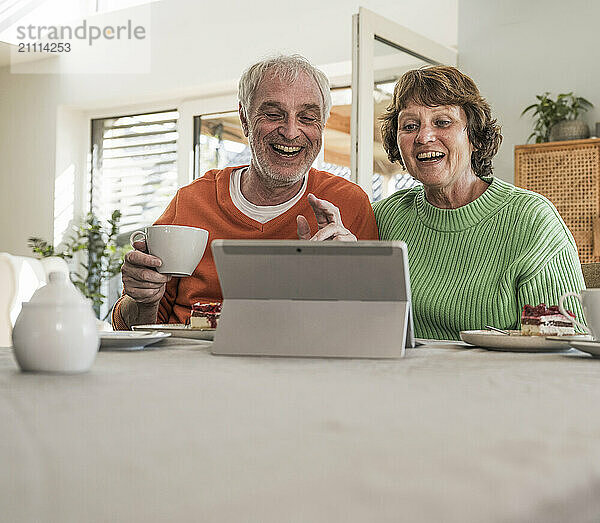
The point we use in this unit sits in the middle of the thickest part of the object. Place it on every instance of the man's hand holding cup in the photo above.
(141, 280)
(160, 252)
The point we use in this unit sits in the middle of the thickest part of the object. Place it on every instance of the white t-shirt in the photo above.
(259, 213)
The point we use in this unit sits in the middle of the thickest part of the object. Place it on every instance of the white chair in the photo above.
(20, 277)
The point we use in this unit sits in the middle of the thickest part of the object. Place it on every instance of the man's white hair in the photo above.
(286, 67)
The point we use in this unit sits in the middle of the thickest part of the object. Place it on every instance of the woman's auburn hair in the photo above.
(444, 85)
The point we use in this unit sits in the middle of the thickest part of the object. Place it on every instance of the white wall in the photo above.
(197, 48)
(72, 146)
(515, 49)
(27, 158)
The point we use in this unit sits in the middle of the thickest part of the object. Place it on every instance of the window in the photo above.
(134, 167)
(219, 142)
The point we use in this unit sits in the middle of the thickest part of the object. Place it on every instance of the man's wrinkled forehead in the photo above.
(275, 90)
(278, 106)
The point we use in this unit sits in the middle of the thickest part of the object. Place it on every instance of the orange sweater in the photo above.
(206, 203)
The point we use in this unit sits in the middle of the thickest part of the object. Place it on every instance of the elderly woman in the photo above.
(479, 248)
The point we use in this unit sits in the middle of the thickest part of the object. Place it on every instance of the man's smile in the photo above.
(286, 150)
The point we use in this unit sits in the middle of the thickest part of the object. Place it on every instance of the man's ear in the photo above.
(243, 119)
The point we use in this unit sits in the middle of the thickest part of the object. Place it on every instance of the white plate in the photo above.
(178, 330)
(516, 342)
(125, 340)
(590, 346)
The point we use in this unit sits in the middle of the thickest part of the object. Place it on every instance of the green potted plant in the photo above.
(104, 257)
(556, 120)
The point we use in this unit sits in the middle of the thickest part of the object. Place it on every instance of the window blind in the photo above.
(134, 167)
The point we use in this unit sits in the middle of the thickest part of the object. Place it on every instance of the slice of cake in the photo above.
(205, 315)
(545, 321)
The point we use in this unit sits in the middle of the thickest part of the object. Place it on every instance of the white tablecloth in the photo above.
(175, 434)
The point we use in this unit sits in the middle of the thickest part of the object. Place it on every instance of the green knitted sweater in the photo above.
(479, 264)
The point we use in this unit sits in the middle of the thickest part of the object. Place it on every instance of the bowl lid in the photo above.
(58, 291)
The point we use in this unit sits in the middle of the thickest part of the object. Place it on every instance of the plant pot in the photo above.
(569, 130)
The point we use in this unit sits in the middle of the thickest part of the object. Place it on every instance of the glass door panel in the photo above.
(389, 64)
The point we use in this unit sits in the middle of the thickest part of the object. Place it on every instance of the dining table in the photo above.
(449, 433)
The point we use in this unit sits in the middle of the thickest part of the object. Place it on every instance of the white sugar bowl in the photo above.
(56, 330)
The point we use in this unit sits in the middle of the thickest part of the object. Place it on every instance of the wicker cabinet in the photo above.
(568, 174)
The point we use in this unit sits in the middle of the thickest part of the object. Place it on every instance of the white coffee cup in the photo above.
(179, 247)
(590, 301)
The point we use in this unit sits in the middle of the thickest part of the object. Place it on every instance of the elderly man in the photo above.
(284, 103)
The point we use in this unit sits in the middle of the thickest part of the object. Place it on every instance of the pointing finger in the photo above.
(325, 211)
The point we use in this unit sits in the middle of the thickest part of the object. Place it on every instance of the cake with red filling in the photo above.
(205, 315)
(545, 321)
